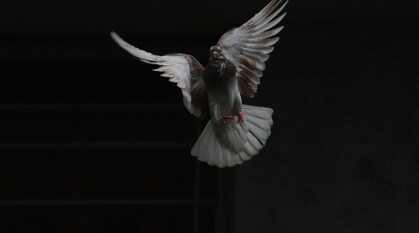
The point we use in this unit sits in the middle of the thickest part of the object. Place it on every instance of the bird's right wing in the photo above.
(182, 69)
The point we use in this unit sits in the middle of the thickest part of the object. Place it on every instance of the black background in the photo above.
(343, 81)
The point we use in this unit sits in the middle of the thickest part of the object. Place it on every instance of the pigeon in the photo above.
(235, 132)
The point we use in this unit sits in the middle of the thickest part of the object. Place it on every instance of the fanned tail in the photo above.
(232, 143)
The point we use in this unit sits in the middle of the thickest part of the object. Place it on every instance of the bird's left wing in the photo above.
(182, 69)
(249, 45)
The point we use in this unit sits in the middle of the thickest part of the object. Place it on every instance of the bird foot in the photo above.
(240, 117)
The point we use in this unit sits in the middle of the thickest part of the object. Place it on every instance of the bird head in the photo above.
(217, 59)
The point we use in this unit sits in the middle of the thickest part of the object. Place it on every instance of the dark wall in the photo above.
(205, 17)
(343, 155)
(342, 81)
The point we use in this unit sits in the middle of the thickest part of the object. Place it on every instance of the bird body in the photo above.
(224, 97)
(236, 132)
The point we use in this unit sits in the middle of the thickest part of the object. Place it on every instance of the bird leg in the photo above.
(240, 117)
(224, 119)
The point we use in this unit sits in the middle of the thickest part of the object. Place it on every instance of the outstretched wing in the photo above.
(182, 69)
(249, 45)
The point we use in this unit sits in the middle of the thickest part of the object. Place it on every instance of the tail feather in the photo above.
(231, 135)
(264, 125)
(210, 140)
(259, 133)
(232, 143)
(255, 142)
(228, 157)
(256, 111)
(248, 151)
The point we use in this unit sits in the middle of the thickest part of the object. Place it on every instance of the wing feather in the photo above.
(182, 69)
(248, 46)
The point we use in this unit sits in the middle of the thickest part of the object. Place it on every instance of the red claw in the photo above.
(240, 117)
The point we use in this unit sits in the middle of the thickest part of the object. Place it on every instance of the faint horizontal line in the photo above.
(103, 202)
(97, 145)
(92, 106)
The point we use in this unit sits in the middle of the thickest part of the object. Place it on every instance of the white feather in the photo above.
(176, 67)
(250, 44)
(233, 143)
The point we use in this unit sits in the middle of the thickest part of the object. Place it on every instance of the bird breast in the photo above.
(220, 71)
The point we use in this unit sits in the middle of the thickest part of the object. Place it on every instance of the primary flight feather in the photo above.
(236, 132)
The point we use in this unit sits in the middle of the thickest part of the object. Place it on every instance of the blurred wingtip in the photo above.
(114, 35)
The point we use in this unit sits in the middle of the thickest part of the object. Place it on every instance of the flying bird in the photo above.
(236, 132)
